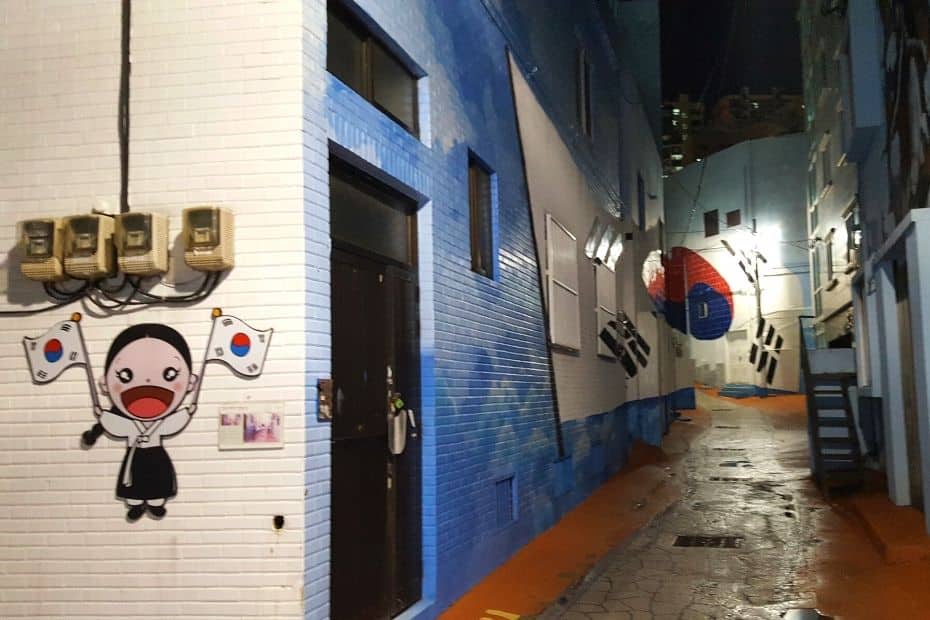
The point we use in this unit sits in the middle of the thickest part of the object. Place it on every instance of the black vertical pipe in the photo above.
(123, 118)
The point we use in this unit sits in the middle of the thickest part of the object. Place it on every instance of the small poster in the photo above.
(251, 427)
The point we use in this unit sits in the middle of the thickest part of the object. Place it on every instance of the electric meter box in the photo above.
(208, 238)
(89, 246)
(42, 241)
(141, 241)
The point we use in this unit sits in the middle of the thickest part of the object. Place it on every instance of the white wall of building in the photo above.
(216, 119)
(588, 383)
(763, 180)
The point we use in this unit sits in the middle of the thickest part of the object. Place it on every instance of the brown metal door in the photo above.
(404, 496)
(375, 548)
(359, 545)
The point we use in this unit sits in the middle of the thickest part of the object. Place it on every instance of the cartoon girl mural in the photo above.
(147, 375)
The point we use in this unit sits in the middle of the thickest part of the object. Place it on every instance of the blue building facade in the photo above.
(488, 415)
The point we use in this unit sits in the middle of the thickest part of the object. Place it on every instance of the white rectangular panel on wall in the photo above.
(606, 283)
(562, 283)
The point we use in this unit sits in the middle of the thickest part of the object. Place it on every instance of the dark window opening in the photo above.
(711, 223)
(583, 94)
(367, 214)
(479, 206)
(370, 69)
(641, 201)
(733, 218)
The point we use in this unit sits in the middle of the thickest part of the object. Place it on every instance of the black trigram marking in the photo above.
(621, 349)
(72, 356)
(261, 338)
(218, 351)
(763, 355)
(611, 342)
(66, 327)
(227, 322)
(252, 367)
(632, 331)
(32, 345)
(770, 375)
(41, 374)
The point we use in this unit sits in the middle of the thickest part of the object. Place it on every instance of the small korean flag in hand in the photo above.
(58, 349)
(237, 345)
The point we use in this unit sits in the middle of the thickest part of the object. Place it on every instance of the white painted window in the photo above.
(605, 282)
(826, 169)
(562, 285)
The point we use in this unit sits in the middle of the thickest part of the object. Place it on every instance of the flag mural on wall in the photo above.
(148, 375)
(692, 295)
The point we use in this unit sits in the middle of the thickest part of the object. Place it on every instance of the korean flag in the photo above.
(237, 345)
(55, 351)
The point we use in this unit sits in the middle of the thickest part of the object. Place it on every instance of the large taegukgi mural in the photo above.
(907, 102)
(148, 373)
(692, 295)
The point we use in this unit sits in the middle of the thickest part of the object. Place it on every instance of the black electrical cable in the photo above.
(123, 121)
(112, 289)
(209, 284)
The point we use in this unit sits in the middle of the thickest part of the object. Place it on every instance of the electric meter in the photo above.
(141, 241)
(208, 235)
(42, 242)
(89, 246)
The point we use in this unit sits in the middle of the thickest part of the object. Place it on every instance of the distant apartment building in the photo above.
(690, 133)
(680, 118)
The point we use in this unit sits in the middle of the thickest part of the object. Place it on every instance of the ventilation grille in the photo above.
(506, 506)
(716, 542)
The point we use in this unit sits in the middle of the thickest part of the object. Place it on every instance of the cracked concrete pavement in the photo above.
(738, 483)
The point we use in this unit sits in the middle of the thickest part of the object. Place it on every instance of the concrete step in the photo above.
(899, 532)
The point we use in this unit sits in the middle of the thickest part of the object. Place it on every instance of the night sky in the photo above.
(765, 51)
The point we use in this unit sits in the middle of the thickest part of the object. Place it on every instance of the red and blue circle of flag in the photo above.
(240, 344)
(53, 350)
(688, 283)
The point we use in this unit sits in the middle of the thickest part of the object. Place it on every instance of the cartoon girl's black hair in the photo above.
(148, 330)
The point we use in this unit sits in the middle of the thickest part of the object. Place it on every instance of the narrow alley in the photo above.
(737, 545)
(749, 536)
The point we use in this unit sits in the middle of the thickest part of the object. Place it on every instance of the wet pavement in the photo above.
(746, 479)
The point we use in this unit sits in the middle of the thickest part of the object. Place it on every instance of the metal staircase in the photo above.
(836, 457)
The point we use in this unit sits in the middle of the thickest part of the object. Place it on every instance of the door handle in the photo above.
(397, 433)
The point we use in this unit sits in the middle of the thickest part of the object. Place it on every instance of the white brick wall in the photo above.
(216, 118)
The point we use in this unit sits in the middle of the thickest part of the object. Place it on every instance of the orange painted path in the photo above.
(538, 573)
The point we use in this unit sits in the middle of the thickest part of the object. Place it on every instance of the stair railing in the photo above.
(813, 435)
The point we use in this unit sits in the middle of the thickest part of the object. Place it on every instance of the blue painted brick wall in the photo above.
(487, 408)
